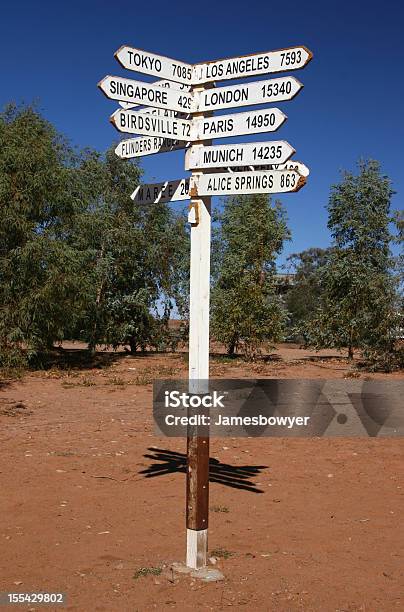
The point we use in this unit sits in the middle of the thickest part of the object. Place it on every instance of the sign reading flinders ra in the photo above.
(177, 112)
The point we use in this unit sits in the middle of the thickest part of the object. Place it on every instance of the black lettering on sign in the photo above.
(144, 61)
(231, 96)
(217, 126)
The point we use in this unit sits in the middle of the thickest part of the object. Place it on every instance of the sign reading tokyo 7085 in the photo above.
(155, 65)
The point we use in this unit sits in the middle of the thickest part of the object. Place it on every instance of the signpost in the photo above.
(148, 145)
(274, 90)
(239, 124)
(249, 168)
(161, 83)
(262, 181)
(252, 65)
(155, 65)
(249, 154)
(138, 92)
(169, 191)
(197, 487)
(150, 125)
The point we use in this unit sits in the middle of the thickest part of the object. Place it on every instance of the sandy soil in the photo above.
(89, 496)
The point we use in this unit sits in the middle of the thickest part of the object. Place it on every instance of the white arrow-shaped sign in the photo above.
(161, 112)
(290, 165)
(163, 83)
(155, 65)
(274, 90)
(134, 122)
(147, 145)
(137, 92)
(248, 154)
(253, 122)
(275, 181)
(252, 65)
(169, 191)
(293, 165)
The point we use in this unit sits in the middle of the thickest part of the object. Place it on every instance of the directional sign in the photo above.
(147, 145)
(252, 65)
(155, 65)
(138, 92)
(162, 112)
(260, 92)
(293, 165)
(169, 191)
(249, 154)
(253, 122)
(275, 181)
(134, 122)
(163, 83)
(290, 165)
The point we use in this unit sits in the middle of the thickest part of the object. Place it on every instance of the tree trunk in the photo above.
(91, 348)
(133, 345)
(231, 348)
(350, 345)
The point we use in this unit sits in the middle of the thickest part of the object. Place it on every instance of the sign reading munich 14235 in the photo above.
(249, 154)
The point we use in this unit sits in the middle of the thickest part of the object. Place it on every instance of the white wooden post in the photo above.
(197, 446)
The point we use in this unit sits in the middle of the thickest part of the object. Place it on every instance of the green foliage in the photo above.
(358, 299)
(134, 258)
(77, 257)
(303, 296)
(246, 311)
(38, 284)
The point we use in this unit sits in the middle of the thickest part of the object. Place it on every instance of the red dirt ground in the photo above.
(78, 516)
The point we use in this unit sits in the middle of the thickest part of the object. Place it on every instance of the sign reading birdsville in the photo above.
(167, 123)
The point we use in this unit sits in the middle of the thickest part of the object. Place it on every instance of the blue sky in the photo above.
(351, 105)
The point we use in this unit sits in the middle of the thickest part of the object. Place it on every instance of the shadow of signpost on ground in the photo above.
(237, 477)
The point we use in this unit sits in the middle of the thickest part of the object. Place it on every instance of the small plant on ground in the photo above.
(221, 553)
(147, 571)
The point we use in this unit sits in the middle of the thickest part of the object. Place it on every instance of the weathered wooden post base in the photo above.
(197, 546)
